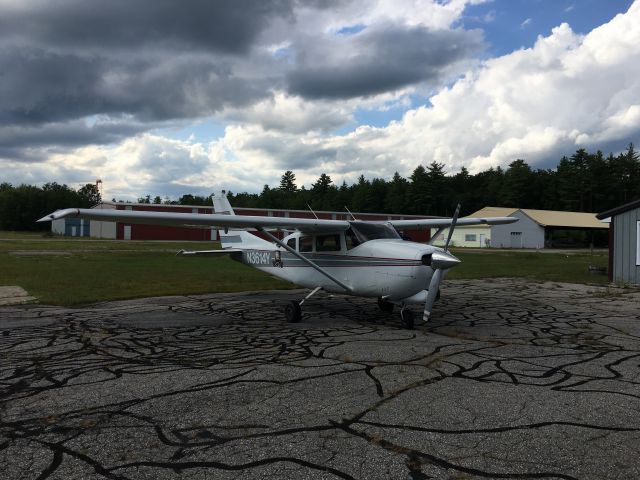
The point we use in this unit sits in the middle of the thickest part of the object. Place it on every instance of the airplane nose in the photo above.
(443, 260)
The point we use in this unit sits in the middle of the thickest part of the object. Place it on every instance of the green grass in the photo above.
(72, 271)
(21, 241)
(92, 277)
(538, 266)
(24, 235)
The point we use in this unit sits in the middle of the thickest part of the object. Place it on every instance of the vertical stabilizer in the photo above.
(221, 204)
(235, 238)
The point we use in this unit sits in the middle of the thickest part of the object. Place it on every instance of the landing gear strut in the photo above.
(385, 305)
(293, 309)
(406, 318)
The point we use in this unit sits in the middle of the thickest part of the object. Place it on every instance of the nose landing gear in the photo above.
(407, 318)
(385, 305)
(406, 315)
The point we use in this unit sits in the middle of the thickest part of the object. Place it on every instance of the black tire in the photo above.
(293, 312)
(384, 305)
(407, 319)
(438, 295)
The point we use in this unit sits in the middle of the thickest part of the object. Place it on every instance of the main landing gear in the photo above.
(293, 312)
(293, 309)
(406, 315)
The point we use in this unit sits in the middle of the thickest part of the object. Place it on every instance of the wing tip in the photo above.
(47, 218)
(59, 214)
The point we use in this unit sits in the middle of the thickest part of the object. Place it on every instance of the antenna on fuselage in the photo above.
(345, 207)
(314, 213)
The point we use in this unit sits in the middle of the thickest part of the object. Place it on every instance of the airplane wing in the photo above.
(445, 222)
(200, 220)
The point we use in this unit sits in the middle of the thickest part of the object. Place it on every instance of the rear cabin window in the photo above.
(306, 244)
(328, 243)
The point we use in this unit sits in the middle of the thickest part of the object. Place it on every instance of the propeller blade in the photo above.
(434, 286)
(452, 227)
(440, 261)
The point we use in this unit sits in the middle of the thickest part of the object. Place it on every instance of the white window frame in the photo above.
(638, 243)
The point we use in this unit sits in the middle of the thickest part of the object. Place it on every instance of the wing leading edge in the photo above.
(446, 222)
(200, 220)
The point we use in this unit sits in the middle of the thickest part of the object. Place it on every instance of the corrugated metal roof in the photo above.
(552, 218)
(493, 212)
(546, 218)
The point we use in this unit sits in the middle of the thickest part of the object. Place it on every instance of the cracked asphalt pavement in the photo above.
(509, 380)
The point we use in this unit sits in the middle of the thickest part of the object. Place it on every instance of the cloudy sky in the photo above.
(164, 98)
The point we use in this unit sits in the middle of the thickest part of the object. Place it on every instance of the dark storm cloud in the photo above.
(154, 59)
(227, 26)
(379, 60)
(41, 86)
(55, 135)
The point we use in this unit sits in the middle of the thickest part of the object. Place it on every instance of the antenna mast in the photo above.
(314, 213)
(345, 207)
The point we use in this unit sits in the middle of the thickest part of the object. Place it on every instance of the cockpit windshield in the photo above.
(373, 231)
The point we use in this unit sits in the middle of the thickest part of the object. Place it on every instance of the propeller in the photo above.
(440, 261)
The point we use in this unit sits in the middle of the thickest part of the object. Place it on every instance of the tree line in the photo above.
(22, 205)
(583, 182)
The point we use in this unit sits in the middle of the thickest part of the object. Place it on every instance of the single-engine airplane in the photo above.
(367, 259)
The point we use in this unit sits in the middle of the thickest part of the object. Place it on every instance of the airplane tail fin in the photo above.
(235, 238)
(221, 205)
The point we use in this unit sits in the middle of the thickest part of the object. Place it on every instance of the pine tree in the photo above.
(288, 182)
(397, 191)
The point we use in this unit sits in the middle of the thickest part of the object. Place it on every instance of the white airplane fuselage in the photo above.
(391, 268)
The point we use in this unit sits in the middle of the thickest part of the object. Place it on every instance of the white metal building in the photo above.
(534, 228)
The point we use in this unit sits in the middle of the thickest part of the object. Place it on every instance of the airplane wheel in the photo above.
(406, 318)
(293, 312)
(384, 305)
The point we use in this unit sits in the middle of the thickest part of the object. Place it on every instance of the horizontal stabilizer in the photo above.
(210, 253)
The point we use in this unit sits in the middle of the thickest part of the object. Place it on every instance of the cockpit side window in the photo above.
(351, 239)
(328, 243)
(305, 244)
(291, 243)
